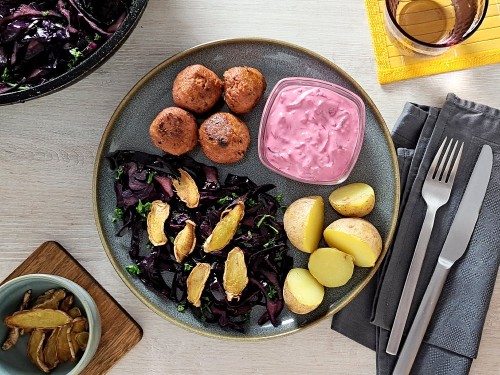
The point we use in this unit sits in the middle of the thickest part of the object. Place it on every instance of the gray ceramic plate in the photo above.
(128, 129)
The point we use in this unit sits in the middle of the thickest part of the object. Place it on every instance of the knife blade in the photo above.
(454, 247)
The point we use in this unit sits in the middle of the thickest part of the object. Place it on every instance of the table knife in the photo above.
(454, 247)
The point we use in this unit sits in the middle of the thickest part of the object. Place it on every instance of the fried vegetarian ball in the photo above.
(243, 88)
(197, 89)
(224, 138)
(174, 131)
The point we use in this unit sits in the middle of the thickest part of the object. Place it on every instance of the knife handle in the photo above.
(422, 319)
(406, 298)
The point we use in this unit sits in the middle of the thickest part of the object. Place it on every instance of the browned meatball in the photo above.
(174, 131)
(224, 138)
(197, 89)
(243, 88)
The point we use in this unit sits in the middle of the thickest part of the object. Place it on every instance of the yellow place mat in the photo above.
(482, 48)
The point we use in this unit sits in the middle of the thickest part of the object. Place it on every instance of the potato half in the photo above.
(303, 221)
(302, 292)
(331, 267)
(354, 200)
(356, 237)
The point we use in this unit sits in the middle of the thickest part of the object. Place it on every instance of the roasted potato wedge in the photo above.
(186, 189)
(14, 333)
(66, 303)
(37, 319)
(235, 277)
(225, 229)
(35, 349)
(79, 324)
(196, 282)
(50, 350)
(43, 297)
(64, 351)
(52, 301)
(82, 340)
(74, 312)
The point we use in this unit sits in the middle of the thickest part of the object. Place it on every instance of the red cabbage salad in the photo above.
(40, 40)
(142, 178)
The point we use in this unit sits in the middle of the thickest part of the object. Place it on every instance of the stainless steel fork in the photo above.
(436, 192)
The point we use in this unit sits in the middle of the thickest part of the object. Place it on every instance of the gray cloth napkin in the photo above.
(452, 339)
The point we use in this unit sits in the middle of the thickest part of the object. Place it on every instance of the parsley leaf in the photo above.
(224, 200)
(77, 54)
(119, 215)
(181, 307)
(187, 267)
(250, 202)
(150, 177)
(273, 228)
(119, 172)
(271, 293)
(143, 208)
(133, 269)
(264, 217)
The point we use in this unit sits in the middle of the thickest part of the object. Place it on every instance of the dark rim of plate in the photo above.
(87, 66)
(100, 159)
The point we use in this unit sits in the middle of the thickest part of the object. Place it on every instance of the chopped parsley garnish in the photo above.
(279, 199)
(224, 200)
(269, 243)
(119, 172)
(77, 54)
(264, 217)
(119, 215)
(250, 202)
(96, 37)
(171, 239)
(271, 293)
(133, 269)
(273, 228)
(45, 13)
(150, 177)
(143, 208)
(187, 267)
(181, 307)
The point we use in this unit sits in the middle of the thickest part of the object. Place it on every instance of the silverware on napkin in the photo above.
(454, 247)
(436, 192)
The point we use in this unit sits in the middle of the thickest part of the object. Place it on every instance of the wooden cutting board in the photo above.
(120, 332)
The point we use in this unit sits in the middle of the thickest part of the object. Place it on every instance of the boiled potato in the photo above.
(303, 222)
(356, 237)
(331, 267)
(353, 200)
(302, 292)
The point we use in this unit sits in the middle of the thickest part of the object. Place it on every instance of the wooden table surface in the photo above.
(47, 150)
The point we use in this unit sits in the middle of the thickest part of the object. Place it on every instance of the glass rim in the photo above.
(436, 45)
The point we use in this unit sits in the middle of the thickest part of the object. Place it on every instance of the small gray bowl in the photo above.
(15, 361)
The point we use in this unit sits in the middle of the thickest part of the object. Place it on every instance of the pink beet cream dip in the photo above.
(311, 131)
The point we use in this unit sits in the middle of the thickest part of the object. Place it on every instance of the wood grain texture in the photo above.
(47, 150)
(119, 331)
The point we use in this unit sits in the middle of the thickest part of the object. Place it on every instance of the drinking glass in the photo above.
(431, 27)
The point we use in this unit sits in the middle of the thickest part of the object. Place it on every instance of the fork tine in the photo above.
(432, 168)
(438, 175)
(448, 164)
(455, 166)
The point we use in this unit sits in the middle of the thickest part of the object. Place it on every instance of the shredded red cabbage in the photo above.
(143, 178)
(40, 40)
